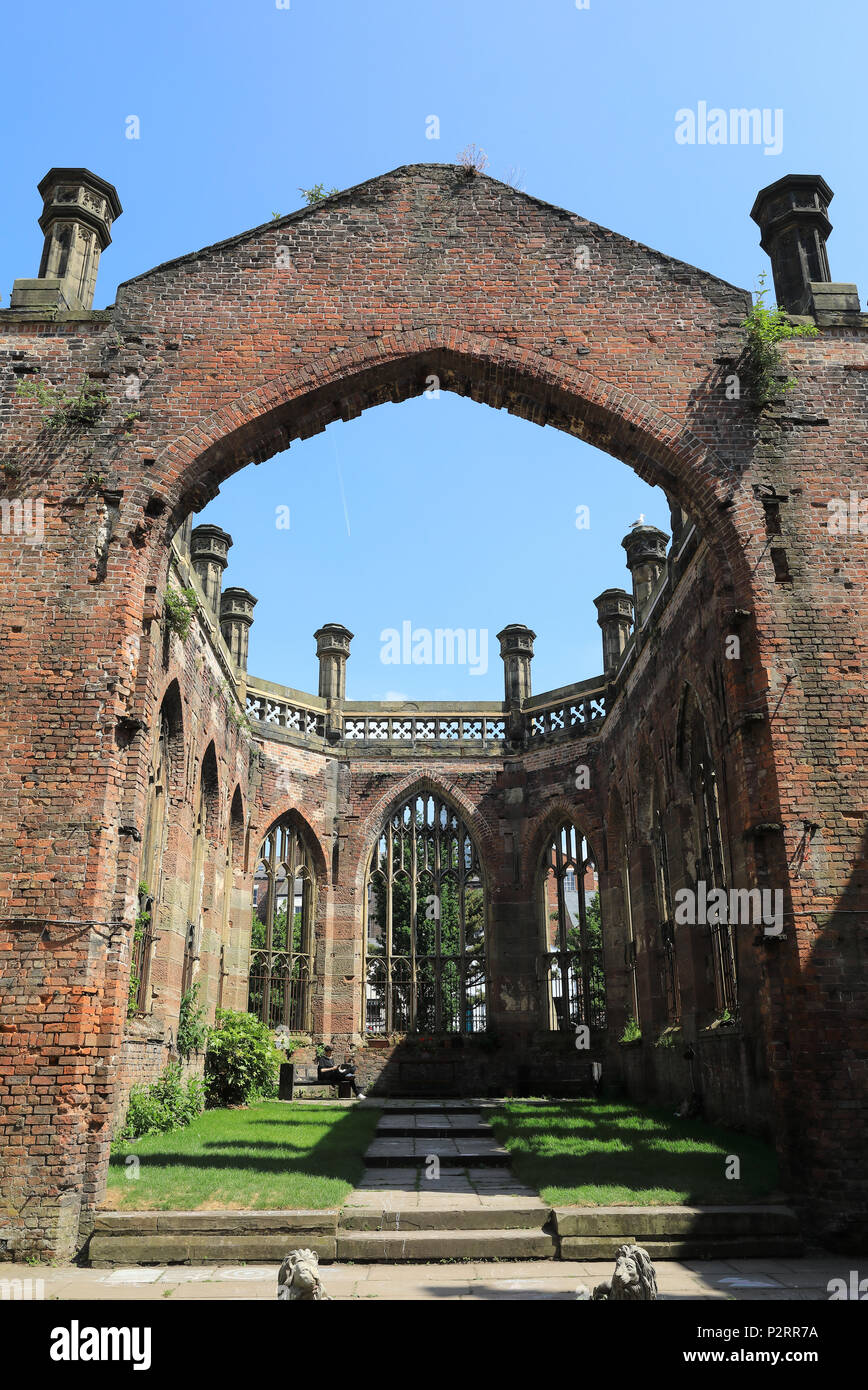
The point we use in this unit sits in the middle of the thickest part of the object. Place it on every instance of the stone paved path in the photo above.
(744, 1280)
(437, 1169)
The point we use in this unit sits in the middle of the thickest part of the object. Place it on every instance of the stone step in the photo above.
(673, 1233)
(397, 1213)
(452, 1153)
(208, 1237)
(428, 1245)
(434, 1129)
(670, 1222)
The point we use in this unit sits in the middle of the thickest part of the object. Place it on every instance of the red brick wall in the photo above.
(248, 345)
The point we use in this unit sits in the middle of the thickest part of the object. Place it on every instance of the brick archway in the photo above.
(239, 349)
(661, 448)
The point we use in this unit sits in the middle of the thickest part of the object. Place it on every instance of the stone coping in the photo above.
(225, 1221)
(662, 1221)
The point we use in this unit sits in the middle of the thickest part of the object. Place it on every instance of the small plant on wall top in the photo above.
(766, 329)
(472, 160)
(179, 609)
(316, 194)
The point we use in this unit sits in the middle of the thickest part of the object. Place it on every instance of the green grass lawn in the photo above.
(591, 1153)
(271, 1155)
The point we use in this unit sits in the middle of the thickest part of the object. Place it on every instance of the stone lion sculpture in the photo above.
(298, 1278)
(634, 1279)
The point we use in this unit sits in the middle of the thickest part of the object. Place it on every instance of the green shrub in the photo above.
(168, 1103)
(317, 193)
(242, 1063)
(81, 409)
(179, 609)
(766, 328)
(192, 1029)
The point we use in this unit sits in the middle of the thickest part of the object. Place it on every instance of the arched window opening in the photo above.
(166, 751)
(711, 867)
(281, 942)
(234, 849)
(669, 962)
(630, 953)
(206, 826)
(572, 964)
(425, 906)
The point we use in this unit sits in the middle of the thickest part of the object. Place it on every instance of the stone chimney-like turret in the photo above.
(333, 650)
(77, 215)
(209, 553)
(793, 217)
(615, 616)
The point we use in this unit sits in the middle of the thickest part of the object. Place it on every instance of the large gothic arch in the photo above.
(241, 348)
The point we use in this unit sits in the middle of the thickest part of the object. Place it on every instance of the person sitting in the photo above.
(332, 1075)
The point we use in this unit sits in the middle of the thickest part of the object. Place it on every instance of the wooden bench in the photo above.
(298, 1076)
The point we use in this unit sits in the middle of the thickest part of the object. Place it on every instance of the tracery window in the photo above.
(425, 964)
(151, 870)
(572, 964)
(205, 825)
(630, 953)
(711, 867)
(669, 963)
(282, 940)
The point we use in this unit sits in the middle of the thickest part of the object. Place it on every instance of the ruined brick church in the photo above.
(473, 897)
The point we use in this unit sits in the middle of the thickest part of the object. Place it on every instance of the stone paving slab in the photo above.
(508, 1280)
(448, 1120)
(417, 1150)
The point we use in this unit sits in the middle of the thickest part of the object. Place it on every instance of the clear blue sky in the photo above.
(459, 516)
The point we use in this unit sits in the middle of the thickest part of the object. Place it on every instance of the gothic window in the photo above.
(167, 746)
(630, 954)
(281, 943)
(425, 965)
(669, 963)
(573, 970)
(710, 864)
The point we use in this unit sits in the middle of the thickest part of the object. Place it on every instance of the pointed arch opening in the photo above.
(572, 962)
(705, 853)
(166, 760)
(282, 933)
(425, 949)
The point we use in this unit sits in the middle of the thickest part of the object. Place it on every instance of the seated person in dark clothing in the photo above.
(331, 1074)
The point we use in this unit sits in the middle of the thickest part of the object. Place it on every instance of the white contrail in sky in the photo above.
(341, 483)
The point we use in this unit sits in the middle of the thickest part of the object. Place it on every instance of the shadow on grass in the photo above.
(595, 1154)
(215, 1160)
